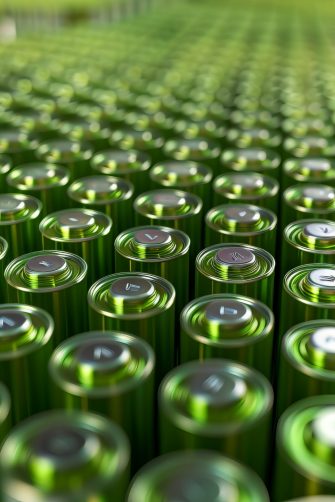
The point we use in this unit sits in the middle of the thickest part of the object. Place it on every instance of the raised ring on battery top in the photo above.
(307, 197)
(168, 204)
(100, 189)
(312, 284)
(38, 176)
(64, 151)
(323, 339)
(248, 184)
(240, 219)
(242, 214)
(152, 237)
(15, 208)
(237, 256)
(313, 235)
(228, 312)
(46, 264)
(132, 287)
(249, 159)
(64, 444)
(320, 230)
(120, 162)
(181, 173)
(322, 277)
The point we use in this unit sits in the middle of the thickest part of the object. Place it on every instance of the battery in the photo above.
(19, 219)
(184, 175)
(243, 223)
(5, 413)
(307, 200)
(69, 456)
(219, 405)
(200, 150)
(156, 250)
(246, 188)
(254, 137)
(201, 128)
(174, 208)
(109, 373)
(307, 362)
(54, 281)
(196, 475)
(235, 268)
(3, 264)
(131, 165)
(140, 304)
(47, 182)
(308, 170)
(18, 145)
(85, 233)
(5, 167)
(308, 126)
(308, 241)
(149, 141)
(26, 338)
(260, 160)
(309, 146)
(228, 326)
(107, 194)
(254, 119)
(308, 293)
(305, 449)
(72, 154)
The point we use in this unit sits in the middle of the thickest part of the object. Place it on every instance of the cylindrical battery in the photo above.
(54, 281)
(175, 208)
(308, 126)
(47, 182)
(308, 241)
(246, 188)
(220, 405)
(307, 362)
(196, 475)
(307, 200)
(309, 146)
(184, 175)
(242, 223)
(19, 219)
(5, 413)
(141, 304)
(200, 150)
(258, 118)
(26, 338)
(68, 456)
(228, 326)
(128, 164)
(72, 154)
(156, 250)
(308, 170)
(17, 145)
(103, 193)
(254, 137)
(149, 141)
(3, 264)
(110, 373)
(85, 233)
(260, 160)
(235, 268)
(201, 128)
(305, 449)
(5, 167)
(308, 293)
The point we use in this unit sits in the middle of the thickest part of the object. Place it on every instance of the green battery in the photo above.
(110, 195)
(235, 268)
(308, 241)
(18, 145)
(26, 338)
(5, 167)
(156, 250)
(3, 264)
(19, 219)
(175, 208)
(246, 188)
(309, 126)
(149, 141)
(109, 373)
(219, 405)
(137, 303)
(47, 182)
(255, 119)
(308, 293)
(85, 233)
(54, 281)
(84, 129)
(305, 449)
(309, 146)
(202, 128)
(131, 165)
(228, 326)
(200, 150)
(72, 154)
(242, 223)
(70, 456)
(308, 170)
(194, 476)
(260, 160)
(254, 137)
(5, 413)
(307, 362)
(184, 175)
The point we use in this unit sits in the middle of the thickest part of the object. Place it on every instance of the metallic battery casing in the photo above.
(308, 170)
(253, 137)
(149, 141)
(5, 167)
(5, 413)
(202, 150)
(309, 146)
(3, 264)
(260, 160)
(17, 145)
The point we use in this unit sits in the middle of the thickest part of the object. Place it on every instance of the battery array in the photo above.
(167, 255)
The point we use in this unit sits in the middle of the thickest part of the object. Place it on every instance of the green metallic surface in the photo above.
(207, 128)
(200, 150)
(303, 299)
(157, 250)
(228, 326)
(72, 154)
(254, 137)
(5, 413)
(109, 373)
(149, 141)
(308, 241)
(308, 170)
(68, 456)
(246, 188)
(107, 194)
(220, 405)
(5, 167)
(309, 146)
(305, 449)
(196, 476)
(260, 160)
(244, 270)
(45, 181)
(54, 281)
(131, 165)
(3, 264)
(299, 128)
(17, 145)
(254, 119)
(243, 223)
(141, 304)
(26, 340)
(19, 218)
(85, 233)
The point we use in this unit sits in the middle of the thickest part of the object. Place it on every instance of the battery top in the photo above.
(237, 256)
(324, 231)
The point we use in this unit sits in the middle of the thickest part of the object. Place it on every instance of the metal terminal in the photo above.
(132, 287)
(242, 214)
(12, 322)
(324, 339)
(75, 219)
(60, 442)
(324, 426)
(235, 256)
(322, 277)
(248, 181)
(152, 237)
(320, 230)
(321, 194)
(168, 199)
(218, 389)
(100, 352)
(228, 312)
(194, 486)
(316, 164)
(46, 264)
(8, 203)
